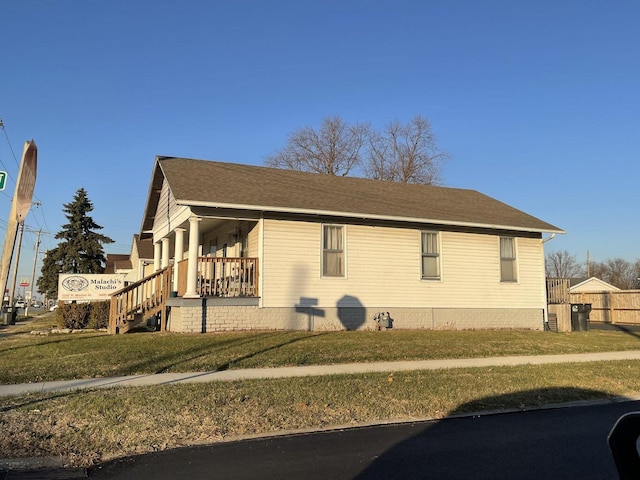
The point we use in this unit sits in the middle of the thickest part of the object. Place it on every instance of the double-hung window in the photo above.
(508, 267)
(333, 251)
(430, 250)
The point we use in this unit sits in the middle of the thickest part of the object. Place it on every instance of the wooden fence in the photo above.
(611, 307)
(622, 306)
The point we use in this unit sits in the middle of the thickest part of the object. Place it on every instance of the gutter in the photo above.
(187, 203)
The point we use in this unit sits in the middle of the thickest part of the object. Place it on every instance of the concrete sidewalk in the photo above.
(313, 370)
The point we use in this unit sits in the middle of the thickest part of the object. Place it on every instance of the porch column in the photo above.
(178, 255)
(157, 249)
(192, 270)
(164, 262)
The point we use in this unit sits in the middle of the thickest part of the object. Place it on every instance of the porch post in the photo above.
(178, 255)
(192, 265)
(157, 248)
(164, 262)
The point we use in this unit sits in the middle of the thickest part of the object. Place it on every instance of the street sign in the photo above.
(3, 180)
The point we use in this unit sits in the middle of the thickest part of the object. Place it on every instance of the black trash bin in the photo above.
(9, 315)
(580, 317)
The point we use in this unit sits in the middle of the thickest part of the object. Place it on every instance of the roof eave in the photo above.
(301, 211)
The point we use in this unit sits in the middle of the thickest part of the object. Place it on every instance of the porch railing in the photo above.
(140, 301)
(558, 290)
(222, 277)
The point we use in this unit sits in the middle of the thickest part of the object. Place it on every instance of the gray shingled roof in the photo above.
(209, 183)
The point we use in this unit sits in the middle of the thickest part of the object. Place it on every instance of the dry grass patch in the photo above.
(94, 426)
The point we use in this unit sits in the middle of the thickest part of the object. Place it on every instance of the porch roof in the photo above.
(227, 185)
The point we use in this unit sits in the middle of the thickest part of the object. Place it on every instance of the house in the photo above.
(136, 265)
(117, 263)
(141, 258)
(239, 247)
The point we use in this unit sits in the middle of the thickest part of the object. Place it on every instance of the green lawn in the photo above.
(88, 427)
(31, 358)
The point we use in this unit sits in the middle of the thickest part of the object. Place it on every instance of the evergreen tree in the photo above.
(80, 250)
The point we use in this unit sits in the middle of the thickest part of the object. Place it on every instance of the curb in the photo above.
(41, 468)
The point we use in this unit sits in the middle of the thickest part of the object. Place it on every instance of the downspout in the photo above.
(545, 240)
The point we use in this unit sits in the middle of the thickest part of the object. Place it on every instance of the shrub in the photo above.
(73, 315)
(99, 315)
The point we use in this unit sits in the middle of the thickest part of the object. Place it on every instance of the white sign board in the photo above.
(79, 286)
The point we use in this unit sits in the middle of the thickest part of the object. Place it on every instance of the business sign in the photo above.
(78, 286)
(3, 180)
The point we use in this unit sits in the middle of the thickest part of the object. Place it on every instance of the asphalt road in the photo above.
(564, 443)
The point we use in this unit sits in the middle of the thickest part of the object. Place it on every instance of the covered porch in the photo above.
(208, 260)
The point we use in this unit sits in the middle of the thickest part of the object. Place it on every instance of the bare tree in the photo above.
(621, 273)
(562, 265)
(617, 272)
(406, 153)
(335, 149)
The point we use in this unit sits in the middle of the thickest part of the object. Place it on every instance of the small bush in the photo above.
(99, 315)
(73, 315)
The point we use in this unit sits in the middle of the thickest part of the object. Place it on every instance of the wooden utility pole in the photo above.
(33, 273)
(15, 268)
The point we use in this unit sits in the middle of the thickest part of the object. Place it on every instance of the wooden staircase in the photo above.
(135, 304)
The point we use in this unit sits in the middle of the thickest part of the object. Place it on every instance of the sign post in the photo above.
(19, 209)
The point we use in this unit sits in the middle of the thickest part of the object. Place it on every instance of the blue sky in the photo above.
(538, 103)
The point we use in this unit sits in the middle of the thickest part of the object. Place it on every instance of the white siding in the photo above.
(168, 214)
(383, 270)
(254, 238)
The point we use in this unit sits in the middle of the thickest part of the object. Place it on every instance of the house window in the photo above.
(332, 251)
(430, 255)
(508, 259)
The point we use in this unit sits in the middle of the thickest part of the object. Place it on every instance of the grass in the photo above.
(31, 358)
(94, 426)
(88, 427)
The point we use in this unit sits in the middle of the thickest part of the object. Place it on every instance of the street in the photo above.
(563, 443)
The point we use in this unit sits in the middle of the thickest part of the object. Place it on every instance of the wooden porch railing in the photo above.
(222, 277)
(558, 290)
(141, 300)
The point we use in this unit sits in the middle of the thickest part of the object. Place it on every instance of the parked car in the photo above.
(53, 308)
(19, 304)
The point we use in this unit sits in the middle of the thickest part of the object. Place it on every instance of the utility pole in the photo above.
(15, 268)
(33, 273)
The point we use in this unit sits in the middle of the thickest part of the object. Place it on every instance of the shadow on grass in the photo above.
(227, 365)
(50, 340)
(30, 402)
(166, 362)
(522, 442)
(629, 329)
